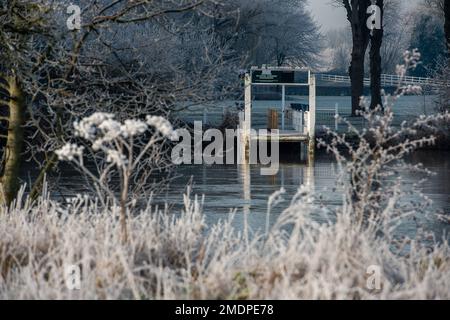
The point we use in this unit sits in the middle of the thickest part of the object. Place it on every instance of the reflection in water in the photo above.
(243, 188)
(245, 178)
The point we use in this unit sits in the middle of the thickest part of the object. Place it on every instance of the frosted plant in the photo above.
(163, 126)
(369, 166)
(442, 99)
(128, 149)
(70, 151)
(172, 256)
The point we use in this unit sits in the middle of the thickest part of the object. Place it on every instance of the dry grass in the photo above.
(172, 256)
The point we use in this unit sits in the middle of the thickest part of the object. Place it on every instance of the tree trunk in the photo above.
(357, 16)
(13, 150)
(376, 41)
(447, 22)
(356, 72)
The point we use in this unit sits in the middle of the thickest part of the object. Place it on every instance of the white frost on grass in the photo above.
(172, 257)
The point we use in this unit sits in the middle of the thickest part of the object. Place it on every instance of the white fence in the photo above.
(387, 80)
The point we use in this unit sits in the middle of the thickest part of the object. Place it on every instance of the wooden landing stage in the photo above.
(303, 120)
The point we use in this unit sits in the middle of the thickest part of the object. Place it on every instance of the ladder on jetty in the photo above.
(280, 77)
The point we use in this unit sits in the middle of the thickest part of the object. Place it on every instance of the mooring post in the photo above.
(336, 117)
(245, 133)
(283, 105)
(312, 118)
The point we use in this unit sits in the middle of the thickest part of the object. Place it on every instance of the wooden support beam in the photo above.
(272, 119)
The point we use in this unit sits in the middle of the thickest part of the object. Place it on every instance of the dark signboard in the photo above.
(273, 76)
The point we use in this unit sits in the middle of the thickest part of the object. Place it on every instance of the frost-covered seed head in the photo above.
(163, 126)
(69, 151)
(131, 128)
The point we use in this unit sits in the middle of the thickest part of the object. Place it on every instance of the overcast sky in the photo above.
(331, 17)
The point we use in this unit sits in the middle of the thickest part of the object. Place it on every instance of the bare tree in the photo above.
(20, 23)
(290, 35)
(436, 6)
(447, 23)
(117, 62)
(357, 17)
(271, 32)
(397, 29)
(397, 26)
(339, 43)
(376, 41)
(386, 45)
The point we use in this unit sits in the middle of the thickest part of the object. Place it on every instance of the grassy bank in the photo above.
(170, 256)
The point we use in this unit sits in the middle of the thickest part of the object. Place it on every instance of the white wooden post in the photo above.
(245, 134)
(312, 114)
(248, 104)
(336, 117)
(301, 127)
(305, 122)
(241, 121)
(283, 105)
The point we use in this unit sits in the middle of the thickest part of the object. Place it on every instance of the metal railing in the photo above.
(328, 117)
(387, 80)
(298, 120)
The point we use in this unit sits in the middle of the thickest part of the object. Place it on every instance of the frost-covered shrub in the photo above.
(172, 256)
(442, 74)
(440, 127)
(369, 169)
(126, 153)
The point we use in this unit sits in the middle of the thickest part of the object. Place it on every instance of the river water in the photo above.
(240, 188)
(243, 190)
